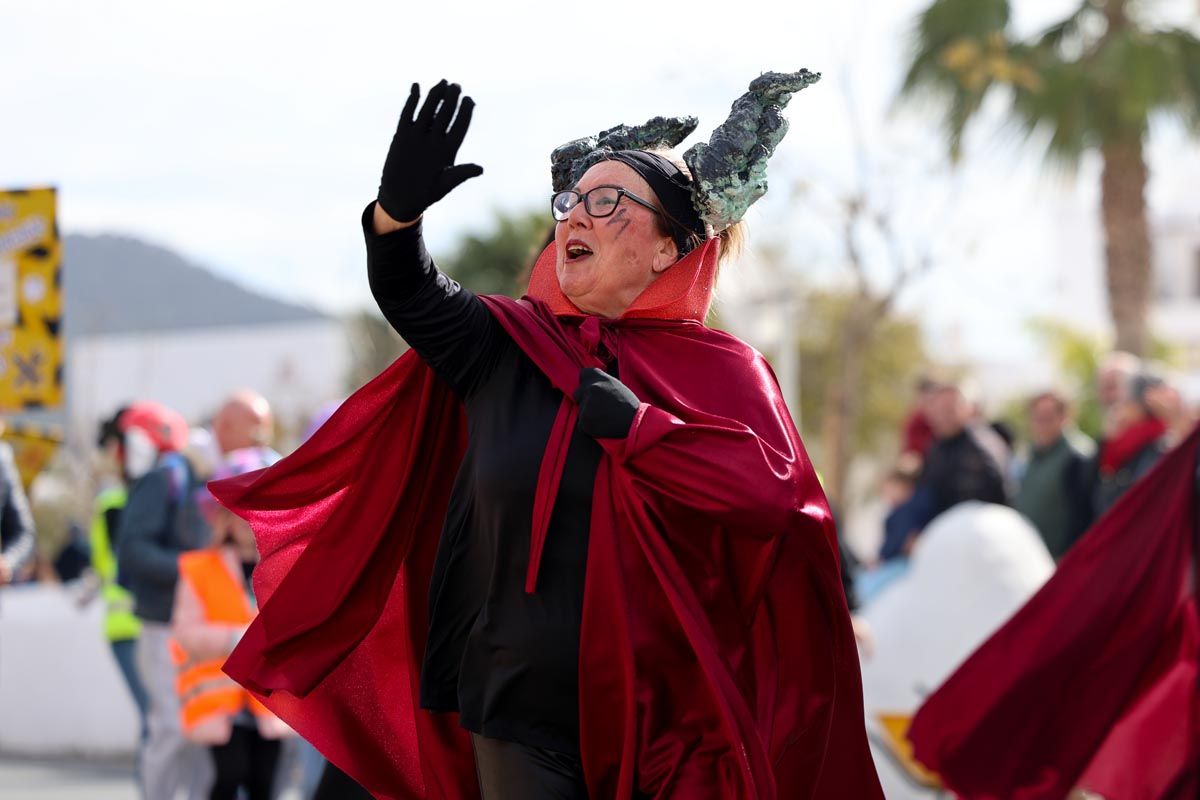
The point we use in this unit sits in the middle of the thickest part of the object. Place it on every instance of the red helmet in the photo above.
(166, 429)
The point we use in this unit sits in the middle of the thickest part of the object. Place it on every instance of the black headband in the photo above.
(674, 191)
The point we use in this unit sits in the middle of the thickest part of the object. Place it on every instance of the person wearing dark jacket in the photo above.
(16, 520)
(161, 520)
(966, 461)
(121, 626)
(1051, 486)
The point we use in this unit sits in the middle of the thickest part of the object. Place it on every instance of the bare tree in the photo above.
(881, 256)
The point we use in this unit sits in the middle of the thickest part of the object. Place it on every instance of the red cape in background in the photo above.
(716, 657)
(1093, 684)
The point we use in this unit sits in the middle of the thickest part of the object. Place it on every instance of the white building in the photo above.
(1176, 316)
(143, 323)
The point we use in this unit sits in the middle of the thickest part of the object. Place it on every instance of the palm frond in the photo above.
(1141, 75)
(1076, 83)
(1065, 106)
(951, 42)
(941, 25)
(1181, 51)
(1072, 30)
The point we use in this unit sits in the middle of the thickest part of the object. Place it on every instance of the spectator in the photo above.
(968, 459)
(161, 521)
(121, 625)
(245, 420)
(1051, 489)
(1112, 380)
(1135, 439)
(1006, 433)
(1166, 402)
(214, 603)
(897, 490)
(918, 436)
(74, 559)
(16, 520)
(900, 528)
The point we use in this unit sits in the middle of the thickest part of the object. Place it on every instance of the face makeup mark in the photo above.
(621, 219)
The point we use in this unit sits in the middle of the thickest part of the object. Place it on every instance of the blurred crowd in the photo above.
(173, 568)
(1057, 477)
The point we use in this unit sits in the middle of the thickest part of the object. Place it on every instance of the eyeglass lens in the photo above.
(598, 202)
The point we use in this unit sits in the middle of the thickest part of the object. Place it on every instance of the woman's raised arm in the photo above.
(448, 326)
(420, 168)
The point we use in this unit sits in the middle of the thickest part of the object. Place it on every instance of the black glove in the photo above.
(606, 406)
(420, 168)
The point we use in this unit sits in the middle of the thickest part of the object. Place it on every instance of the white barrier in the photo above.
(61, 692)
(973, 568)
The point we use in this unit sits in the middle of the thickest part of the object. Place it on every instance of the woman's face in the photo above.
(604, 264)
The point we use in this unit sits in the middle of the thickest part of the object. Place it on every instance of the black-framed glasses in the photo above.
(598, 202)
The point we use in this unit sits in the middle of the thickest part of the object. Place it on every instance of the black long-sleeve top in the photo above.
(506, 660)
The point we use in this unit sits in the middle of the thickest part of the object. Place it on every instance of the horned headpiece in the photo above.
(729, 172)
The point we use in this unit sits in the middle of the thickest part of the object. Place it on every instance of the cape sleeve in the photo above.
(720, 468)
(704, 493)
(736, 458)
(1093, 682)
(347, 527)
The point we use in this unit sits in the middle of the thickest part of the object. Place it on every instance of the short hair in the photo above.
(1141, 384)
(1120, 361)
(938, 379)
(110, 429)
(1053, 395)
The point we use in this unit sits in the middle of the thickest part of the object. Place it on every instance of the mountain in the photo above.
(118, 284)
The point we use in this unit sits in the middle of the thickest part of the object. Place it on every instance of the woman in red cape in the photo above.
(712, 647)
(1092, 686)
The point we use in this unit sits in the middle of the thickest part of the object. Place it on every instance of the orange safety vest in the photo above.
(204, 690)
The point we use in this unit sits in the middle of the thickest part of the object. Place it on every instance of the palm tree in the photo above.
(1092, 81)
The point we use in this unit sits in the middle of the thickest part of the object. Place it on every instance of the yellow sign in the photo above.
(33, 447)
(31, 304)
(895, 736)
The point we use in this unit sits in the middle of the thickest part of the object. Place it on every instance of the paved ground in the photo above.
(22, 779)
(60, 779)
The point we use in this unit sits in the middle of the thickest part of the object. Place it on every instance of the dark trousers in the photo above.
(125, 651)
(511, 771)
(246, 760)
(337, 785)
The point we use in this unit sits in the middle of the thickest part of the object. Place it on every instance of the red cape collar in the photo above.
(684, 291)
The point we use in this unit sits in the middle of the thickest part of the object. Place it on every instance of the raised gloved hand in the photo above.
(420, 168)
(607, 407)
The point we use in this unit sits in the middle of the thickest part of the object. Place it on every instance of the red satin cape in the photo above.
(716, 657)
(1093, 683)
